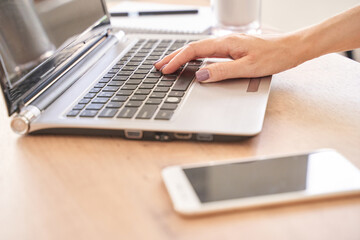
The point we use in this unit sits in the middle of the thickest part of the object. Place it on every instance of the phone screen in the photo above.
(249, 179)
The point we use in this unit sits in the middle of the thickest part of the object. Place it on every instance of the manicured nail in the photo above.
(202, 75)
(162, 67)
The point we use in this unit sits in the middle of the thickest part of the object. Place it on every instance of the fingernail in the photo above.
(156, 61)
(162, 67)
(202, 75)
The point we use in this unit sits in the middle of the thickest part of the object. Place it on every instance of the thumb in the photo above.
(220, 71)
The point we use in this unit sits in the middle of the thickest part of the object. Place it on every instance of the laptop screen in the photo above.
(37, 36)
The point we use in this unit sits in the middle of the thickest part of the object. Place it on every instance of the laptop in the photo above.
(66, 70)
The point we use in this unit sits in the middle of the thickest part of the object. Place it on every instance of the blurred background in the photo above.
(284, 15)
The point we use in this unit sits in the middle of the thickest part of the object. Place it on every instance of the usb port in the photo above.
(184, 136)
(204, 137)
(133, 134)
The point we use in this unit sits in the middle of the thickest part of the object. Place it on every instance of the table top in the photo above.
(83, 187)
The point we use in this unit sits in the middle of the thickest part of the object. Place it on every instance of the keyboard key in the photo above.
(169, 106)
(161, 89)
(114, 104)
(146, 112)
(108, 113)
(154, 75)
(147, 62)
(143, 91)
(146, 67)
(164, 115)
(173, 100)
(151, 80)
(120, 78)
(129, 68)
(134, 81)
(129, 87)
(94, 106)
(121, 62)
(133, 63)
(138, 76)
(124, 73)
(154, 101)
(113, 71)
(165, 84)
(127, 113)
(119, 98)
(109, 75)
(95, 90)
(84, 101)
(79, 106)
(106, 94)
(137, 59)
(176, 94)
(124, 93)
(153, 58)
(116, 67)
(127, 56)
(157, 54)
(141, 54)
(90, 95)
(183, 41)
(147, 86)
(157, 95)
(169, 78)
(134, 104)
(142, 71)
(104, 80)
(100, 85)
(100, 100)
(185, 78)
(138, 98)
(116, 83)
(73, 113)
(89, 113)
(110, 89)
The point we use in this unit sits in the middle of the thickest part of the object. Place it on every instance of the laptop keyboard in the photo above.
(134, 89)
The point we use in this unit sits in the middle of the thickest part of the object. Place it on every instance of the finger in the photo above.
(199, 49)
(160, 63)
(225, 70)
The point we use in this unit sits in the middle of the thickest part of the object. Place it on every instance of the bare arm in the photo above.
(255, 56)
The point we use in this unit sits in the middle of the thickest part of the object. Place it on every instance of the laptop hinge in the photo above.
(21, 122)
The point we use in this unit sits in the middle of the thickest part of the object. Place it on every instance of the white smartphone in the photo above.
(226, 185)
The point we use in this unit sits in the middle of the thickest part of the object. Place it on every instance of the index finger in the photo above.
(198, 49)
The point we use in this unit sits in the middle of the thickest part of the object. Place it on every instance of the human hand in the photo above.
(253, 56)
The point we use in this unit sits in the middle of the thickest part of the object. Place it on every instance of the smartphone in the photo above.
(227, 185)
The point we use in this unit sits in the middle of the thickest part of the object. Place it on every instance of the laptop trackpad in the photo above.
(233, 106)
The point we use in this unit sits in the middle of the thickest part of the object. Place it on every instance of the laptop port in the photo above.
(204, 137)
(133, 134)
(164, 137)
(183, 136)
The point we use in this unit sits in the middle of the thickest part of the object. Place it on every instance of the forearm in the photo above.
(336, 34)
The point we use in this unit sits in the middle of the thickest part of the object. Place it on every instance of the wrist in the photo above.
(301, 47)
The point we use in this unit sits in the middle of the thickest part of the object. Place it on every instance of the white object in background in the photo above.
(236, 16)
(175, 24)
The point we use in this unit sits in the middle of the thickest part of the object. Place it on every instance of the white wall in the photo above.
(289, 15)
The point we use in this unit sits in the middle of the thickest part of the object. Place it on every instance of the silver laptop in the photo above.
(66, 70)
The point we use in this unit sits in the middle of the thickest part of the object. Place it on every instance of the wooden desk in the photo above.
(79, 187)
